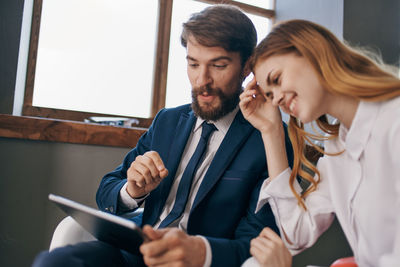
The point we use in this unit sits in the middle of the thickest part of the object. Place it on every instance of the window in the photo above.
(178, 85)
(104, 58)
(103, 64)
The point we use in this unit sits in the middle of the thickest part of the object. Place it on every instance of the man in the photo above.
(208, 218)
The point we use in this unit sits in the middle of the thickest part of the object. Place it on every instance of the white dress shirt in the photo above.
(361, 186)
(215, 140)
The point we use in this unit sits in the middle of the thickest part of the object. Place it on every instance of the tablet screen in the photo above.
(106, 227)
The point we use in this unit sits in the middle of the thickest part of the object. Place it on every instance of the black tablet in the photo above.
(106, 227)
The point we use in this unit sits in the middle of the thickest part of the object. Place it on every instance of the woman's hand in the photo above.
(261, 113)
(269, 250)
(258, 109)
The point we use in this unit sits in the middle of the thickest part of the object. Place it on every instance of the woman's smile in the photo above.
(295, 85)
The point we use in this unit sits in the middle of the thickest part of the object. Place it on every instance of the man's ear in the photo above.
(245, 72)
(246, 69)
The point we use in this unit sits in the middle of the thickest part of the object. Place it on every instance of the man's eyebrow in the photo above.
(222, 58)
(190, 58)
(213, 60)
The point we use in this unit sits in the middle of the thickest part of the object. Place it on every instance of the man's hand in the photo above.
(269, 250)
(172, 247)
(145, 174)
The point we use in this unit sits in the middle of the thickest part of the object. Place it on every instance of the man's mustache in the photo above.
(206, 89)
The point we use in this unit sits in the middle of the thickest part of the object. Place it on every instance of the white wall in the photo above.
(328, 13)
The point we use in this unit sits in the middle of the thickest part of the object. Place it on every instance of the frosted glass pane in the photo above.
(178, 85)
(96, 56)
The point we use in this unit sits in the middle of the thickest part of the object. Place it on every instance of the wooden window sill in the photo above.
(34, 128)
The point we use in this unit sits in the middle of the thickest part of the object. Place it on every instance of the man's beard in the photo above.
(227, 103)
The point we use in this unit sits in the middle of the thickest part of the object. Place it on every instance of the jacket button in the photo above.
(110, 209)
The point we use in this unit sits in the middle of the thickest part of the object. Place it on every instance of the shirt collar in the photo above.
(222, 124)
(356, 138)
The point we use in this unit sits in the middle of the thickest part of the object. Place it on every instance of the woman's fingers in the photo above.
(269, 250)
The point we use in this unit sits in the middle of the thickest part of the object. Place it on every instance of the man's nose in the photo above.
(203, 77)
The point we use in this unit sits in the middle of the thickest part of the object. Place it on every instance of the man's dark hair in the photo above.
(223, 26)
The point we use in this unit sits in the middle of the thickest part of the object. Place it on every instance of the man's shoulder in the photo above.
(176, 110)
(167, 117)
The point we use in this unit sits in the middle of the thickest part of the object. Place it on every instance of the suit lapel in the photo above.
(233, 141)
(182, 134)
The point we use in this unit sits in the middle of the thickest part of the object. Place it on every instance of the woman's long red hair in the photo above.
(340, 69)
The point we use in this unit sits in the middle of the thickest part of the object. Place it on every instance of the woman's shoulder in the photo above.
(393, 103)
(389, 114)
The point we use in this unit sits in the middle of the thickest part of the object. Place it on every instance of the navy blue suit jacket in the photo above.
(223, 209)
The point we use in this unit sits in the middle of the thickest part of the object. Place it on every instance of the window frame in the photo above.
(160, 64)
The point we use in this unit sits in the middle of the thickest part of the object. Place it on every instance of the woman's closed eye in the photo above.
(273, 79)
(276, 79)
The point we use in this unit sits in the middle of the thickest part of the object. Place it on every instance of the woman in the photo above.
(306, 71)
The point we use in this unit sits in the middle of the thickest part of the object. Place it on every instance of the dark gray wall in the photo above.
(10, 30)
(375, 24)
(29, 171)
(371, 23)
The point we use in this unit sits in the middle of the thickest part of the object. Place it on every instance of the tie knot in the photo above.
(208, 128)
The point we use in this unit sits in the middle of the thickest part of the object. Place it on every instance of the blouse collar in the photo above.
(356, 138)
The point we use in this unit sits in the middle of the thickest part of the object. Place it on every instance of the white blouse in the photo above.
(361, 186)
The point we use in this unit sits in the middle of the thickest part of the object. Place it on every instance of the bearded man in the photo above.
(198, 168)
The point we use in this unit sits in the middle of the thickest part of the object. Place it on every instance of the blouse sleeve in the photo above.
(392, 258)
(299, 228)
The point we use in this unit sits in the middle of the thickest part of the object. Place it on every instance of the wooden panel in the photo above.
(162, 54)
(160, 69)
(68, 131)
(75, 115)
(33, 48)
(30, 110)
